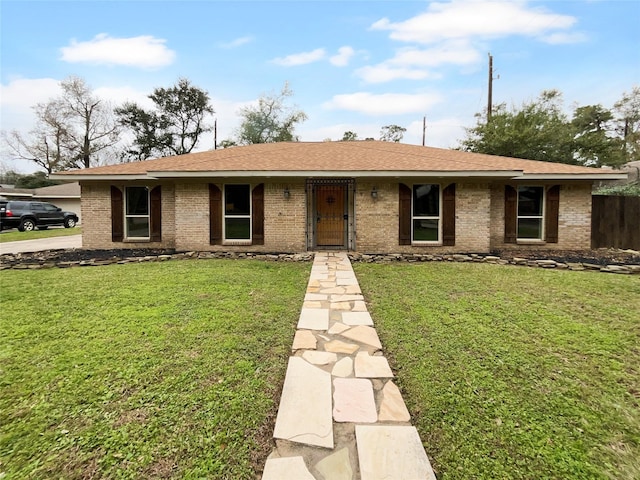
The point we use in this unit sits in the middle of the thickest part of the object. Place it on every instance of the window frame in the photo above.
(126, 216)
(427, 217)
(249, 217)
(541, 217)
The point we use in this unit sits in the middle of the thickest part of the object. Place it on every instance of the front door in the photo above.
(331, 215)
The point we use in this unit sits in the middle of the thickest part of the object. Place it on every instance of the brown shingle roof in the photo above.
(347, 157)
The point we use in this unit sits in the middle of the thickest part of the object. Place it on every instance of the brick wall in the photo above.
(479, 218)
(96, 216)
(574, 220)
(377, 219)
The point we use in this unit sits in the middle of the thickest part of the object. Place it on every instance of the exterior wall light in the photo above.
(287, 193)
(374, 193)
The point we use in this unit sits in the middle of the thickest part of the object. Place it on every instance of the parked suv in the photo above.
(26, 216)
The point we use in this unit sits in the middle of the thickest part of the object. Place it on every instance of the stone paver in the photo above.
(391, 452)
(304, 415)
(372, 367)
(288, 467)
(338, 390)
(314, 319)
(353, 401)
(304, 339)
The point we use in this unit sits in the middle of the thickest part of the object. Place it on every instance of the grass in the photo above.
(514, 373)
(14, 235)
(151, 370)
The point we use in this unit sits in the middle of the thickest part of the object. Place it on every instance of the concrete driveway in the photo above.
(52, 243)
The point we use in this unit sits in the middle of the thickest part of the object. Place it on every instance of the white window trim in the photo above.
(422, 217)
(147, 216)
(541, 217)
(235, 241)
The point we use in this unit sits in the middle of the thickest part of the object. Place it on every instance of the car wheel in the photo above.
(27, 225)
(69, 222)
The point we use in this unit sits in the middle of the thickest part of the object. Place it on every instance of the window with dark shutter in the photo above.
(404, 215)
(552, 210)
(215, 215)
(117, 215)
(510, 214)
(257, 215)
(155, 197)
(449, 215)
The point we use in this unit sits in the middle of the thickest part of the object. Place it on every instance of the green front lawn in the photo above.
(154, 370)
(514, 373)
(13, 235)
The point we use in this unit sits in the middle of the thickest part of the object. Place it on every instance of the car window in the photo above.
(49, 207)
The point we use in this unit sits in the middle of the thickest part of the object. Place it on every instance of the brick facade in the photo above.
(479, 218)
(574, 220)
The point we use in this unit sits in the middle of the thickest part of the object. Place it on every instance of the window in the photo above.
(137, 212)
(530, 213)
(425, 216)
(237, 212)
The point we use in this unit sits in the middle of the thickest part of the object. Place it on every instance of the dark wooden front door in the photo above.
(331, 215)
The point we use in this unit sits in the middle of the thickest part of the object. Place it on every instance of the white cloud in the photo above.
(238, 42)
(383, 104)
(343, 56)
(302, 58)
(468, 18)
(559, 38)
(453, 52)
(143, 51)
(382, 73)
(23, 93)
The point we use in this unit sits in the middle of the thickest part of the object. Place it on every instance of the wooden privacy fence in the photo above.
(615, 222)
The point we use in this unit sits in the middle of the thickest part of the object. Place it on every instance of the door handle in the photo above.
(318, 219)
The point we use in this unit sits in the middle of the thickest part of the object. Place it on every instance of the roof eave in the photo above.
(337, 173)
(573, 176)
(77, 177)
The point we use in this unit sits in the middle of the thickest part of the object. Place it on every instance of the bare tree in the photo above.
(91, 125)
(48, 144)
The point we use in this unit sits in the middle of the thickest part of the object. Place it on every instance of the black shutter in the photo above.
(449, 215)
(257, 215)
(117, 215)
(510, 214)
(155, 198)
(552, 210)
(404, 215)
(215, 215)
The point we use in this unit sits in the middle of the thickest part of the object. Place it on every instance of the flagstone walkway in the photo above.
(341, 417)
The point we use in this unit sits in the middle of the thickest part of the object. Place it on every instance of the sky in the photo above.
(352, 65)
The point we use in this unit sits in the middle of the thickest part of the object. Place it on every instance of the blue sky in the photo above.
(352, 65)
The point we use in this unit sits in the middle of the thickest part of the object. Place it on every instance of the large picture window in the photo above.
(530, 213)
(425, 213)
(237, 212)
(137, 219)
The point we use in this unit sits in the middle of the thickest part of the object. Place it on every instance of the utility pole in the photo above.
(215, 134)
(424, 128)
(490, 94)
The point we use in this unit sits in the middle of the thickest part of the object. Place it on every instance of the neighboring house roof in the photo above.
(65, 190)
(335, 159)
(14, 193)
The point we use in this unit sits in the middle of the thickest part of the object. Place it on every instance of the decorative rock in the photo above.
(391, 452)
(304, 414)
(336, 466)
(287, 467)
(343, 368)
(338, 346)
(392, 407)
(372, 367)
(319, 358)
(353, 401)
(304, 339)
